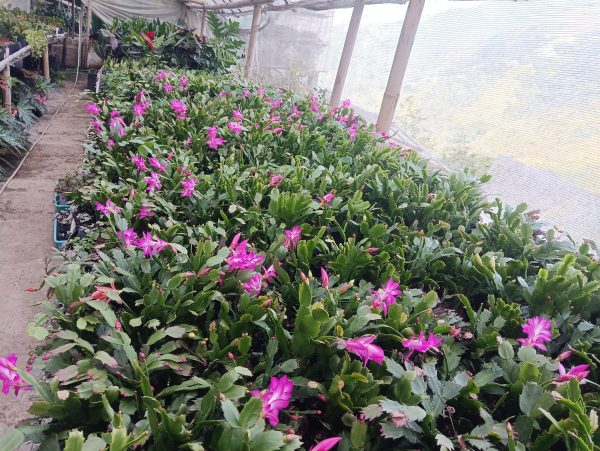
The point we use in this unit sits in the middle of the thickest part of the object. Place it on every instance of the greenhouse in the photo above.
(259, 225)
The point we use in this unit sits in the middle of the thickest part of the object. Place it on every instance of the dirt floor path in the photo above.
(26, 234)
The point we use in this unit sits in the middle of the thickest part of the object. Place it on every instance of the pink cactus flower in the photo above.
(421, 344)
(253, 285)
(364, 348)
(188, 187)
(538, 330)
(277, 131)
(168, 87)
(237, 114)
(93, 109)
(269, 273)
(117, 126)
(139, 110)
(275, 399)
(162, 74)
(578, 372)
(324, 278)
(386, 295)
(97, 124)
(327, 199)
(153, 182)
(235, 127)
(352, 131)
(155, 162)
(240, 258)
(145, 212)
(140, 162)
(110, 143)
(292, 237)
(10, 376)
(326, 444)
(246, 94)
(276, 104)
(108, 208)
(213, 141)
(183, 82)
(150, 245)
(275, 181)
(346, 103)
(180, 108)
(128, 236)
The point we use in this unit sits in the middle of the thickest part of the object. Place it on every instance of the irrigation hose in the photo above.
(53, 116)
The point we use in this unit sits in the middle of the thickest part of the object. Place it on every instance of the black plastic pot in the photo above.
(92, 79)
(14, 48)
(31, 63)
(54, 62)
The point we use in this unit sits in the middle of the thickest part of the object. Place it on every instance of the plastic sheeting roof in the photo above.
(237, 7)
(173, 10)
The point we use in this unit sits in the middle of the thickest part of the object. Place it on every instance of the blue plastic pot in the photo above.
(60, 207)
(59, 244)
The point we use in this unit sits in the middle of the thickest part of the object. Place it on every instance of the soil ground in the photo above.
(26, 214)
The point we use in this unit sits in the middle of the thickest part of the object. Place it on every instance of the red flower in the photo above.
(151, 34)
(149, 39)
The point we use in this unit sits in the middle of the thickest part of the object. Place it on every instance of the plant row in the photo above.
(268, 272)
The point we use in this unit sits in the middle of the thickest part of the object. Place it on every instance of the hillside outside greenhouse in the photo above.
(259, 225)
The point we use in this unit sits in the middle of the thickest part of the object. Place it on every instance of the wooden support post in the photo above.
(203, 22)
(340, 78)
(89, 18)
(252, 40)
(394, 84)
(5, 75)
(46, 62)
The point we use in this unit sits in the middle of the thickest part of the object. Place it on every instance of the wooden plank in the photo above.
(252, 40)
(18, 55)
(235, 5)
(342, 72)
(5, 76)
(46, 64)
(403, 49)
(203, 22)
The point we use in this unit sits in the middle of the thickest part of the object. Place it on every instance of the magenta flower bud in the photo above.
(204, 272)
(142, 356)
(230, 356)
(344, 288)
(324, 278)
(373, 250)
(564, 355)
(327, 444)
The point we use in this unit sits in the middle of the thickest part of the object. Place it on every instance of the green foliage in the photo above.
(171, 44)
(163, 351)
(37, 40)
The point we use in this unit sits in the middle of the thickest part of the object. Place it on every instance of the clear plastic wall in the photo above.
(510, 88)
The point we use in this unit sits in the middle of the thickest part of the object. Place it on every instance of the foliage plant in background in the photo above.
(171, 44)
(270, 273)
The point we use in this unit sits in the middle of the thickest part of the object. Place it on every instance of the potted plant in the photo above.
(63, 223)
